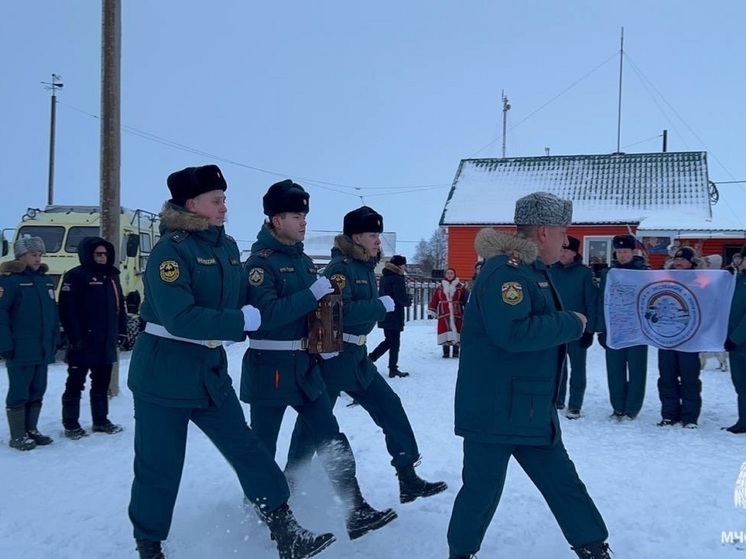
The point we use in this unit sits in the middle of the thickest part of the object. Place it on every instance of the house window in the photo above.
(597, 251)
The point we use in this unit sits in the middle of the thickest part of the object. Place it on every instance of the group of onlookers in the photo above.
(93, 316)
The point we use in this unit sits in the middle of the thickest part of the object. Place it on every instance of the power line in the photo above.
(325, 185)
(684, 121)
(560, 94)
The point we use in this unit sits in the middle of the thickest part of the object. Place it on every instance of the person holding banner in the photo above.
(513, 345)
(627, 368)
(679, 387)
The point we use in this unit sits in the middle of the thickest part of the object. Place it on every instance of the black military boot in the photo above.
(363, 518)
(99, 413)
(149, 549)
(70, 415)
(32, 419)
(293, 541)
(412, 486)
(593, 550)
(19, 439)
(395, 372)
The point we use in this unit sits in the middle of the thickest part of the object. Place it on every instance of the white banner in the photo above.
(685, 310)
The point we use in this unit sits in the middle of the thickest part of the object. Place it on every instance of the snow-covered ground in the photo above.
(664, 492)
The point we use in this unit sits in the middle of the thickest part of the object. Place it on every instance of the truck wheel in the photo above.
(133, 329)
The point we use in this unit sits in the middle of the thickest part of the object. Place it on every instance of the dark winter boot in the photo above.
(70, 415)
(149, 550)
(19, 439)
(456, 349)
(452, 556)
(446, 351)
(363, 518)
(32, 419)
(412, 486)
(293, 541)
(593, 550)
(393, 373)
(99, 413)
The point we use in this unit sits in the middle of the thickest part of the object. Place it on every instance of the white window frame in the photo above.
(586, 247)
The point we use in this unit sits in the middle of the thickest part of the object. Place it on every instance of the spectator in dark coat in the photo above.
(392, 284)
(94, 318)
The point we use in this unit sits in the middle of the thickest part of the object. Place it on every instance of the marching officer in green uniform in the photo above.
(194, 292)
(512, 348)
(736, 343)
(574, 283)
(277, 369)
(627, 368)
(354, 257)
(29, 332)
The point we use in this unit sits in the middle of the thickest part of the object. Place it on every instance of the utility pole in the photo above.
(111, 55)
(506, 108)
(54, 85)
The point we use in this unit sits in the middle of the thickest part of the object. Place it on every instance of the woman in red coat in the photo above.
(447, 305)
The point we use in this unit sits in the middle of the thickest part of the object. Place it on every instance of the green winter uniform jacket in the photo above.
(574, 283)
(29, 323)
(512, 347)
(279, 276)
(353, 273)
(194, 287)
(737, 317)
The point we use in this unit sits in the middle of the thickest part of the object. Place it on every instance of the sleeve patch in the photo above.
(340, 280)
(512, 292)
(169, 271)
(256, 276)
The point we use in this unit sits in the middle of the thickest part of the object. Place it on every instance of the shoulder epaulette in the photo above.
(514, 260)
(178, 236)
(231, 239)
(264, 253)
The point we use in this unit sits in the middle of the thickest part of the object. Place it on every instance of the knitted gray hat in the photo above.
(543, 208)
(28, 244)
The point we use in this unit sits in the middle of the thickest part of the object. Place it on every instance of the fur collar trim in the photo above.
(393, 268)
(18, 267)
(489, 243)
(345, 245)
(176, 218)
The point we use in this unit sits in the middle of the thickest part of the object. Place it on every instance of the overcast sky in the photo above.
(375, 99)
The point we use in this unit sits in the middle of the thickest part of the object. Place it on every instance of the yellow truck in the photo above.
(63, 227)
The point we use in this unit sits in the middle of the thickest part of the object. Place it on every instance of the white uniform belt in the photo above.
(161, 332)
(357, 339)
(279, 345)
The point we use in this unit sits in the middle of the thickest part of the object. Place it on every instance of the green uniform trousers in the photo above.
(627, 371)
(576, 356)
(553, 473)
(384, 407)
(26, 384)
(160, 446)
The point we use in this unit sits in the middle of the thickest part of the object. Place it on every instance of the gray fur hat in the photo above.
(543, 208)
(28, 244)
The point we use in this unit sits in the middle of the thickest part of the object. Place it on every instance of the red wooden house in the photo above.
(662, 198)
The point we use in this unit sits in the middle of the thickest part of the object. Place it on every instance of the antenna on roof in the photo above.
(619, 110)
(506, 108)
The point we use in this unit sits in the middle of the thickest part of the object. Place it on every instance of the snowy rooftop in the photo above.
(605, 189)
